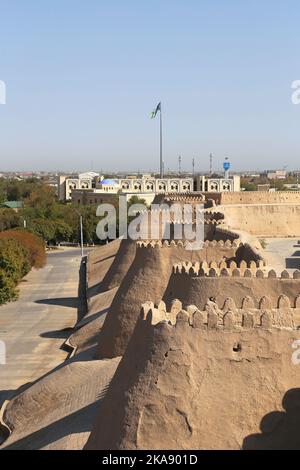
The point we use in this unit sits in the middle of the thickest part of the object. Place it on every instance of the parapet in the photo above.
(227, 268)
(184, 197)
(212, 214)
(183, 243)
(213, 221)
(227, 316)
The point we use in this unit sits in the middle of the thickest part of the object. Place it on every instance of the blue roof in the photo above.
(108, 181)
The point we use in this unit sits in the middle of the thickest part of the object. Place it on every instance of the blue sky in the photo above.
(83, 77)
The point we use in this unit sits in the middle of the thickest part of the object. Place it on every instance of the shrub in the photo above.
(7, 288)
(34, 245)
(14, 259)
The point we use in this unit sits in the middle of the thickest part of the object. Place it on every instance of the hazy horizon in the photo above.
(83, 77)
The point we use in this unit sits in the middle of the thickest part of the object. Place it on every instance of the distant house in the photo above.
(276, 175)
(15, 205)
(66, 184)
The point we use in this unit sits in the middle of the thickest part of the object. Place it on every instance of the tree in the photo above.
(136, 200)
(9, 219)
(90, 221)
(250, 186)
(63, 231)
(3, 196)
(43, 228)
(42, 200)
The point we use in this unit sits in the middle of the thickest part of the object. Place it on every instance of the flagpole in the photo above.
(161, 149)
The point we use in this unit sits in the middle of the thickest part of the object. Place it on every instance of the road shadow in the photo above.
(279, 429)
(71, 302)
(79, 302)
(57, 334)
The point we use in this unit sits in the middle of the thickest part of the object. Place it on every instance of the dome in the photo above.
(108, 181)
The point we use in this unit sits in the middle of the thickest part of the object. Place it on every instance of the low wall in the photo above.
(259, 197)
(278, 220)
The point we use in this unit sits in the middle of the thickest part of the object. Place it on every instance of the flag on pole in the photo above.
(154, 113)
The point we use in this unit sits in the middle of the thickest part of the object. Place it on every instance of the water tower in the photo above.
(226, 166)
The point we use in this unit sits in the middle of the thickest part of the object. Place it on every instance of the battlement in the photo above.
(184, 213)
(228, 316)
(212, 214)
(227, 268)
(213, 221)
(184, 197)
(184, 243)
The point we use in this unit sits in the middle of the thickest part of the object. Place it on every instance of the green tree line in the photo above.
(43, 215)
(46, 217)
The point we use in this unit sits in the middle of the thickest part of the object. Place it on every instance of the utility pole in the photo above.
(210, 163)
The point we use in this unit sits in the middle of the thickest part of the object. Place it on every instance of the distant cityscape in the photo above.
(91, 187)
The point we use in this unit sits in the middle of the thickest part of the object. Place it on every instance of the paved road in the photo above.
(32, 327)
(283, 253)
